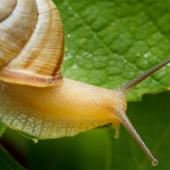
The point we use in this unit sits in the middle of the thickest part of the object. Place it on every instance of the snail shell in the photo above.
(31, 42)
(31, 52)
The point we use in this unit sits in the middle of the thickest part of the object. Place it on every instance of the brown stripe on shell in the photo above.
(59, 62)
(38, 49)
(6, 8)
(28, 79)
(42, 55)
(51, 45)
(16, 29)
(60, 44)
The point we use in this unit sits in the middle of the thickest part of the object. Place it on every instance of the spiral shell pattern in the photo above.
(31, 42)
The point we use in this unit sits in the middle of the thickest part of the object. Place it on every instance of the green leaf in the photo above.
(110, 42)
(2, 129)
(7, 162)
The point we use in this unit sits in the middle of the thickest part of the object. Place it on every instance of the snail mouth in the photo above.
(24, 78)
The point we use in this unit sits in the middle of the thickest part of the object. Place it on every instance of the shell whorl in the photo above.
(31, 42)
(6, 9)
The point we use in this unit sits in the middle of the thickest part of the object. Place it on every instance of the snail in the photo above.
(34, 97)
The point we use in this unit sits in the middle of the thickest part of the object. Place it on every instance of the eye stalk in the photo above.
(143, 76)
(128, 125)
(124, 119)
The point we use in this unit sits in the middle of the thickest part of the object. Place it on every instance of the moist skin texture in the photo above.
(63, 110)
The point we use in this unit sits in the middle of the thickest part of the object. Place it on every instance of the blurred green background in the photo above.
(108, 42)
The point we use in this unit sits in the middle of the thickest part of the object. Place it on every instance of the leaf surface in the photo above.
(7, 162)
(2, 129)
(110, 42)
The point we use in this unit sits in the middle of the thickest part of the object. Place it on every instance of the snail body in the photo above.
(58, 111)
(34, 96)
